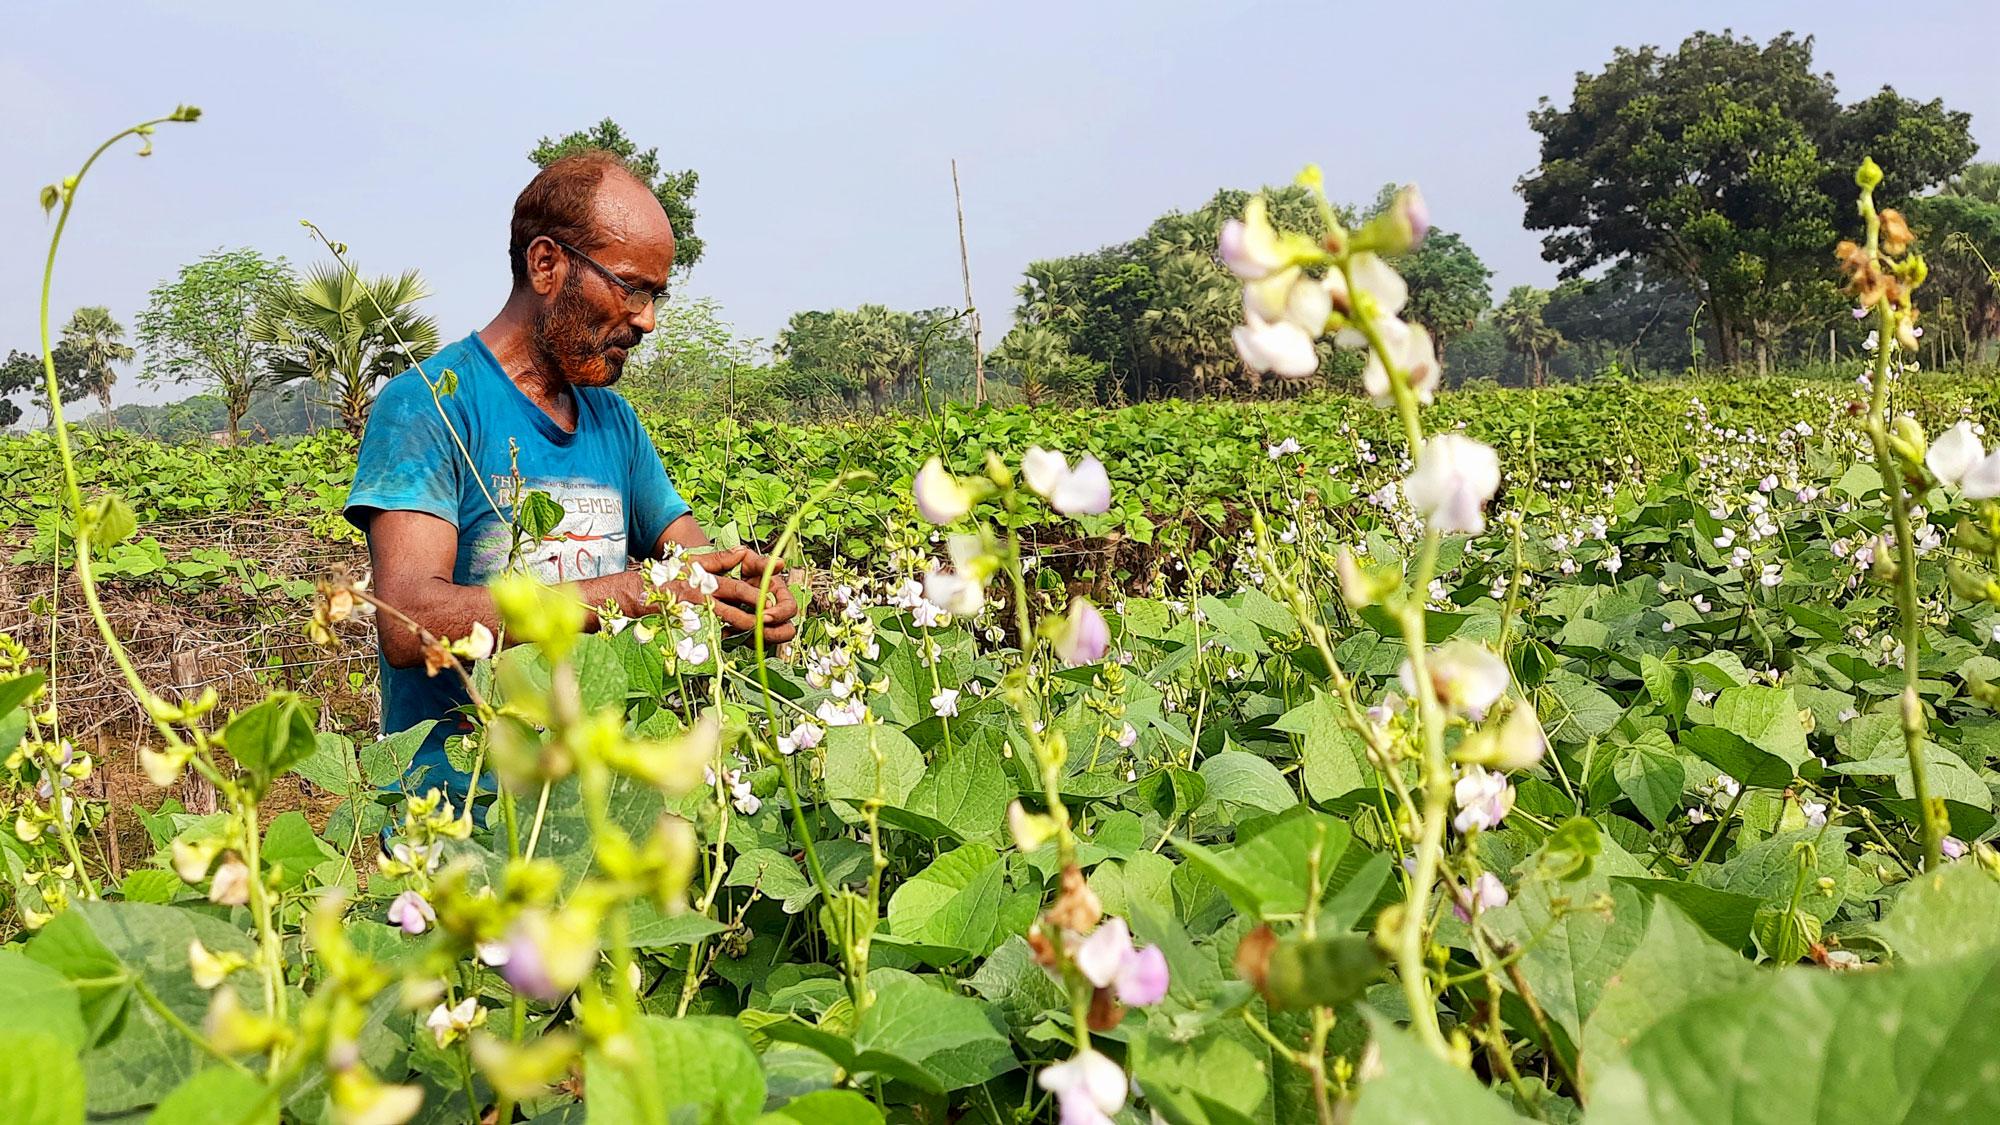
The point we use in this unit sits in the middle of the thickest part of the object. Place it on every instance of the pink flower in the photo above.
(1249, 246)
(1454, 479)
(1106, 959)
(1484, 799)
(1486, 893)
(1085, 636)
(1952, 847)
(411, 912)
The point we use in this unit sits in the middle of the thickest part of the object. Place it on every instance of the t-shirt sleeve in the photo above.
(408, 461)
(655, 501)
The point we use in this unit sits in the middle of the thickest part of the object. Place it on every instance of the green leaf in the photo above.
(774, 873)
(1415, 1085)
(293, 848)
(110, 521)
(150, 884)
(1768, 869)
(216, 1096)
(852, 772)
(1722, 915)
(41, 1082)
(1240, 778)
(958, 1040)
(272, 736)
(331, 765)
(1267, 873)
(967, 791)
(1576, 937)
(538, 514)
(1737, 756)
(1336, 760)
(955, 902)
(100, 946)
(1173, 792)
(825, 1107)
(39, 999)
(1653, 780)
(1016, 985)
(1784, 934)
(1765, 717)
(698, 1068)
(17, 690)
(1675, 964)
(1574, 709)
(651, 929)
(1571, 851)
(1803, 1046)
(1943, 914)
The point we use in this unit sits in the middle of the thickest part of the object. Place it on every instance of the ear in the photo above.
(548, 266)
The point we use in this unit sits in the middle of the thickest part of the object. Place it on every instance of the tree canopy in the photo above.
(674, 190)
(196, 326)
(1730, 165)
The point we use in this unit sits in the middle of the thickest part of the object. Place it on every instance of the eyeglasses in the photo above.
(637, 298)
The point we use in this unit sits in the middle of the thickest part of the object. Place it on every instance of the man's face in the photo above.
(585, 328)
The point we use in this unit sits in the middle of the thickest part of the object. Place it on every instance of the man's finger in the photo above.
(716, 562)
(738, 591)
(733, 618)
(756, 565)
(780, 633)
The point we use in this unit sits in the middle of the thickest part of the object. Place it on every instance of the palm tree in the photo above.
(1519, 319)
(346, 335)
(1979, 181)
(99, 341)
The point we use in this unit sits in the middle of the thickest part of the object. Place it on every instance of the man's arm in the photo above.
(413, 555)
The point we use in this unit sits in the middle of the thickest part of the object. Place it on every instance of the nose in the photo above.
(646, 319)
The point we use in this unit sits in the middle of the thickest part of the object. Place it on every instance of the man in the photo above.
(528, 396)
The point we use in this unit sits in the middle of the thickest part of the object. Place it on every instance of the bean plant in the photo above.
(1446, 786)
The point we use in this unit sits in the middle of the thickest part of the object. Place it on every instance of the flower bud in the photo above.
(1083, 637)
(1869, 176)
(940, 498)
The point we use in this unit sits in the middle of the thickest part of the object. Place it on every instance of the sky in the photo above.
(824, 133)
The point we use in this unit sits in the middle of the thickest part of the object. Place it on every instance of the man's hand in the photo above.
(735, 598)
(781, 609)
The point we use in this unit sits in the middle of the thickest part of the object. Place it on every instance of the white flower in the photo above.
(1085, 636)
(1290, 296)
(1084, 490)
(1954, 454)
(1275, 347)
(1289, 445)
(841, 714)
(701, 580)
(1413, 350)
(1454, 479)
(448, 1023)
(1483, 798)
(805, 736)
(1772, 575)
(1043, 469)
(1466, 675)
(945, 703)
(1128, 736)
(1983, 481)
(1612, 562)
(491, 953)
(1089, 1088)
(953, 592)
(746, 801)
(1815, 812)
(691, 650)
(1250, 246)
(940, 498)
(231, 885)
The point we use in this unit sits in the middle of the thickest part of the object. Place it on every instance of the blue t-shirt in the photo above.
(607, 476)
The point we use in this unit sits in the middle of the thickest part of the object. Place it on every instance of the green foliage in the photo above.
(345, 334)
(196, 327)
(674, 190)
(1729, 165)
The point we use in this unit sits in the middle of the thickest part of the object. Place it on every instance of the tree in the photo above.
(1043, 368)
(346, 335)
(1960, 237)
(99, 342)
(196, 327)
(1632, 315)
(23, 372)
(674, 190)
(1519, 319)
(1449, 288)
(1731, 166)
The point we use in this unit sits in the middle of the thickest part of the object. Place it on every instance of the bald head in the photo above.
(589, 200)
